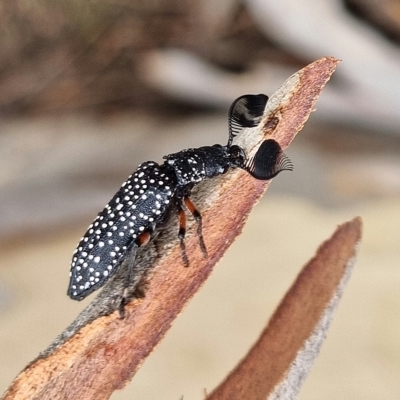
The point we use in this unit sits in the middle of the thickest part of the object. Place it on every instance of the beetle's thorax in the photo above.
(193, 165)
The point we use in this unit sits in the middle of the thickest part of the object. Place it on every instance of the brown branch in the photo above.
(278, 363)
(99, 353)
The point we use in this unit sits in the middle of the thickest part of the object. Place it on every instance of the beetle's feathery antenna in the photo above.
(268, 161)
(245, 112)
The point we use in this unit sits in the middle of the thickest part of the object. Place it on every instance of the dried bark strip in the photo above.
(279, 361)
(103, 353)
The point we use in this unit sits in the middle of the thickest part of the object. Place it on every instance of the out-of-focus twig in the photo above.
(280, 360)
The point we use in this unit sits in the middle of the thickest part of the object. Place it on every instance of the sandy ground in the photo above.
(360, 358)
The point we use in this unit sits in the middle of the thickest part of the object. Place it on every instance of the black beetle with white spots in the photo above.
(136, 211)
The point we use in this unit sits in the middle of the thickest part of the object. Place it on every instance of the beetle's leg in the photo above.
(182, 231)
(197, 216)
(140, 290)
(141, 240)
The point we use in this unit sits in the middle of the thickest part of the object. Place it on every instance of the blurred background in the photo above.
(88, 90)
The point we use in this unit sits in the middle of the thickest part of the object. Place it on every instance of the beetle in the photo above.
(135, 213)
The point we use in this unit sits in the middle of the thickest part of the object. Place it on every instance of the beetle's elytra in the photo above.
(135, 212)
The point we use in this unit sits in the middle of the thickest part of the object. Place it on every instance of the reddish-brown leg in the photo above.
(182, 233)
(197, 216)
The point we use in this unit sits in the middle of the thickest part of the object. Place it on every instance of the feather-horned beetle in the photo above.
(136, 211)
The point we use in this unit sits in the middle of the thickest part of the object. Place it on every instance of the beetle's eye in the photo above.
(237, 155)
